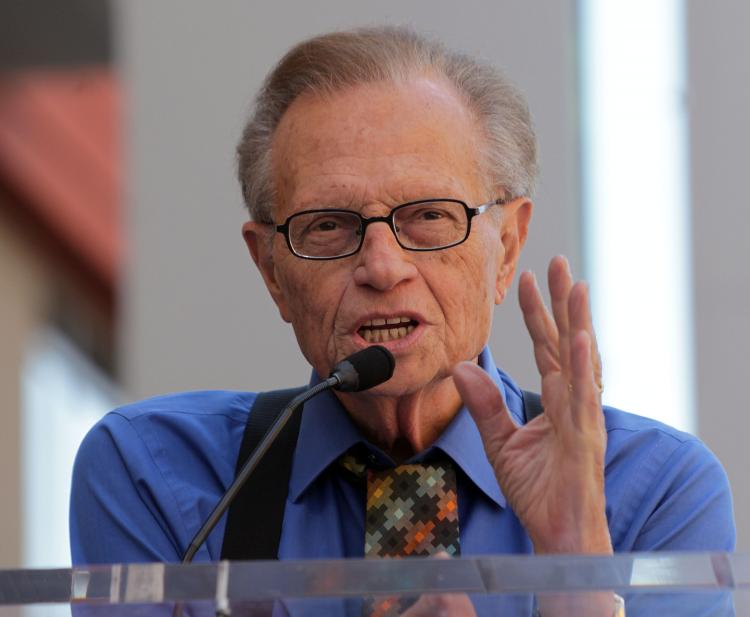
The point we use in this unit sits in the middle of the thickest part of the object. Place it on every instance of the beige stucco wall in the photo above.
(22, 298)
(42, 285)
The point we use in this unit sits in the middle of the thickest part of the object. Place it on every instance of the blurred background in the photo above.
(123, 273)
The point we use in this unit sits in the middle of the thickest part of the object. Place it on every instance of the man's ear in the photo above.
(514, 227)
(260, 245)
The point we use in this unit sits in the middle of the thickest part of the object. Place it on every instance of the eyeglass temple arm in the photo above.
(484, 207)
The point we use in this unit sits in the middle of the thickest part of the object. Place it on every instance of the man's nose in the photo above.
(382, 263)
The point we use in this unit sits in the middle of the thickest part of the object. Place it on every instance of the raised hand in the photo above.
(552, 469)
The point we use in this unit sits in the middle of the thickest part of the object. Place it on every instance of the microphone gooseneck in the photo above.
(228, 497)
(362, 370)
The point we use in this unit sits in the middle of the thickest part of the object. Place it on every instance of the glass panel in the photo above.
(652, 584)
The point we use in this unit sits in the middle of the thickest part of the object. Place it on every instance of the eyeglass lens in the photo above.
(429, 225)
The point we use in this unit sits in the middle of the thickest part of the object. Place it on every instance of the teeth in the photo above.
(382, 336)
(380, 321)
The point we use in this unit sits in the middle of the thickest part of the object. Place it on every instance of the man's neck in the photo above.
(408, 424)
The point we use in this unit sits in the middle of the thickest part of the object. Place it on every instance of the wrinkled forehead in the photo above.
(381, 141)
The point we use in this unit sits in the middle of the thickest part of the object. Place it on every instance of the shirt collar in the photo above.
(327, 432)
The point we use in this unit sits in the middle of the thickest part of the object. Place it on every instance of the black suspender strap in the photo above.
(532, 405)
(253, 529)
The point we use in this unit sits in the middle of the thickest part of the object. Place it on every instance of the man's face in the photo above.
(371, 148)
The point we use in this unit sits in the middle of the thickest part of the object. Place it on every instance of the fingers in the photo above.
(481, 396)
(539, 323)
(552, 337)
(560, 284)
(584, 394)
(579, 311)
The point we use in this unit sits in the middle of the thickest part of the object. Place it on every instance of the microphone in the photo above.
(360, 371)
(364, 370)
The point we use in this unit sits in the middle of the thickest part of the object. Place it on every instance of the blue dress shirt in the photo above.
(148, 474)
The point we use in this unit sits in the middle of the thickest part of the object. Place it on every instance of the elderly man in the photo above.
(388, 182)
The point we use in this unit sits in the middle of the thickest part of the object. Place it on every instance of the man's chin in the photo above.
(403, 383)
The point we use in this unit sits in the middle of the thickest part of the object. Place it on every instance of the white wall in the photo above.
(195, 312)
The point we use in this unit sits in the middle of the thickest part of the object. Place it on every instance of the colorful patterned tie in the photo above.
(412, 511)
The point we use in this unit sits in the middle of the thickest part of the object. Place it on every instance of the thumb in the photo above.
(481, 396)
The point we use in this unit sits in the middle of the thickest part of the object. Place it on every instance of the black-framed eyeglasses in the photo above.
(424, 225)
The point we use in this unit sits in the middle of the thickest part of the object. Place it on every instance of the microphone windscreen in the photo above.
(365, 369)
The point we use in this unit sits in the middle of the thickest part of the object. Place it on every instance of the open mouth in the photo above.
(382, 330)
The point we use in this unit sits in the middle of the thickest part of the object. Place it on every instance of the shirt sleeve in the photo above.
(122, 509)
(689, 504)
(686, 506)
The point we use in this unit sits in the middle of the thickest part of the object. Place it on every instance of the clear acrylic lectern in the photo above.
(653, 584)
